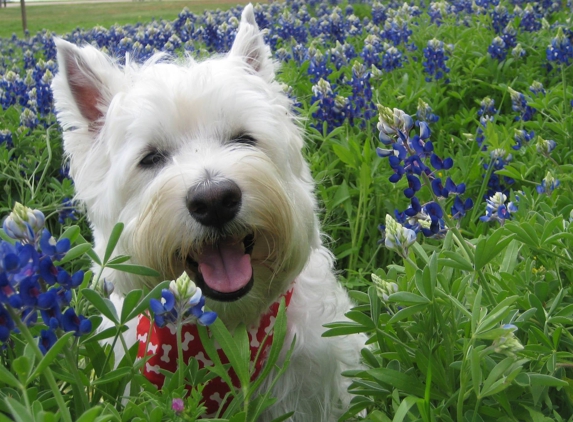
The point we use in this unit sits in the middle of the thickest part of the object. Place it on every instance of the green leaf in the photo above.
(545, 380)
(105, 306)
(114, 375)
(18, 411)
(112, 242)
(7, 377)
(90, 415)
(404, 408)
(407, 298)
(71, 233)
(283, 417)
(395, 379)
(238, 357)
(120, 259)
(407, 312)
(361, 318)
(155, 293)
(134, 269)
(129, 303)
(475, 365)
(74, 253)
(510, 257)
(490, 247)
(493, 378)
(455, 260)
(51, 355)
(476, 310)
(22, 366)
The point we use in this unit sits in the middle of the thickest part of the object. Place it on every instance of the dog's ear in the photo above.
(84, 86)
(250, 46)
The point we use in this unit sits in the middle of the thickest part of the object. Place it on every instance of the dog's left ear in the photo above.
(250, 46)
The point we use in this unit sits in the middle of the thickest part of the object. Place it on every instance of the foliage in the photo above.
(467, 305)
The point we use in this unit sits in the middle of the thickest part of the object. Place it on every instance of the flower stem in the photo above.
(180, 363)
(47, 372)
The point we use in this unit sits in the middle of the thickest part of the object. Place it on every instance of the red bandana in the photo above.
(163, 351)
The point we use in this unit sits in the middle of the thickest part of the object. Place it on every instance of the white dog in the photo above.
(202, 162)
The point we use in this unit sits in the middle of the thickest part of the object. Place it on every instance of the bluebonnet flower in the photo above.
(332, 109)
(407, 156)
(509, 36)
(392, 58)
(496, 210)
(67, 211)
(560, 50)
(26, 273)
(397, 237)
(318, 66)
(361, 99)
(545, 146)
(6, 138)
(521, 136)
(435, 63)
(460, 207)
(47, 340)
(499, 18)
(424, 113)
(537, 88)
(6, 324)
(396, 30)
(548, 184)
(517, 52)
(378, 13)
(530, 20)
(372, 50)
(183, 302)
(497, 49)
(384, 288)
(507, 342)
(519, 104)
(438, 10)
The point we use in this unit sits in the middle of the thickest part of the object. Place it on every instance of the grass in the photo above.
(63, 18)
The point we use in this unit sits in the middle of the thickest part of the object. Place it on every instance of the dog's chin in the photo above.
(192, 268)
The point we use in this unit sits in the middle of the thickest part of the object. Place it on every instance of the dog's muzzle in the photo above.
(222, 269)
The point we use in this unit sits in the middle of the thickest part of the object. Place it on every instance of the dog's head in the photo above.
(200, 160)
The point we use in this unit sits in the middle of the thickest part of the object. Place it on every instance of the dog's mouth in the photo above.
(223, 269)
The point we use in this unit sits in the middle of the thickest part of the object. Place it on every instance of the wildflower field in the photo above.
(439, 135)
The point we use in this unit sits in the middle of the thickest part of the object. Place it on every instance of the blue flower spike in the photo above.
(30, 283)
(183, 301)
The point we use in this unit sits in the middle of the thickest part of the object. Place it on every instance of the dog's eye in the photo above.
(245, 140)
(152, 159)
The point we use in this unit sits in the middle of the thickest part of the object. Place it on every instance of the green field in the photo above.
(63, 18)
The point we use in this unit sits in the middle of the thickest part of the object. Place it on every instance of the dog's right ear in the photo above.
(86, 82)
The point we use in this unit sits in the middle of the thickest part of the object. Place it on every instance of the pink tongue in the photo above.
(225, 267)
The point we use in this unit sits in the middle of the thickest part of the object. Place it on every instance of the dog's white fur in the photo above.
(113, 116)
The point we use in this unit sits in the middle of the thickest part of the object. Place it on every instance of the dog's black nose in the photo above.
(214, 204)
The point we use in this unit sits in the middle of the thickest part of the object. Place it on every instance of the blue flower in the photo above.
(497, 49)
(548, 184)
(519, 104)
(78, 324)
(435, 63)
(414, 186)
(47, 340)
(560, 50)
(6, 324)
(53, 249)
(459, 208)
